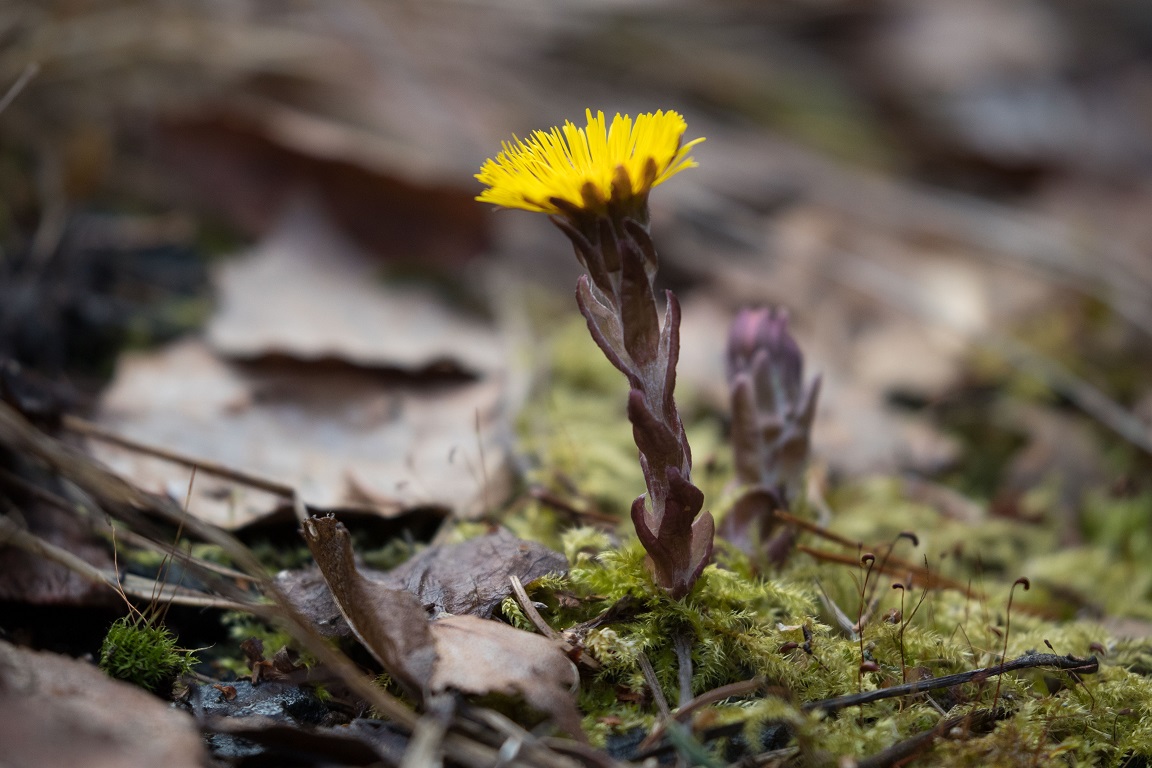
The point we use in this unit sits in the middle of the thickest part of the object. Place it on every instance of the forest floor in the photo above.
(314, 453)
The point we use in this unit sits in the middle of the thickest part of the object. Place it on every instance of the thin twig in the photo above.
(900, 752)
(530, 611)
(544, 496)
(896, 567)
(682, 645)
(571, 645)
(654, 686)
(1084, 395)
(682, 713)
(145, 589)
(30, 71)
(98, 521)
(1087, 665)
(96, 432)
(518, 741)
(425, 748)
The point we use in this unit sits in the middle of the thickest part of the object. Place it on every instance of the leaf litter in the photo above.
(1052, 214)
(315, 378)
(60, 711)
(453, 653)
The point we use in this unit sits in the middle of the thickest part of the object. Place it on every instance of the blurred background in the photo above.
(270, 206)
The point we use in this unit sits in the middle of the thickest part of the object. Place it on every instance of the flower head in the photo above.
(572, 168)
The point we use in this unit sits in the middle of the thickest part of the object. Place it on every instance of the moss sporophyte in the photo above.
(594, 182)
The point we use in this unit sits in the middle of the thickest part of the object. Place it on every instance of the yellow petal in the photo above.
(558, 164)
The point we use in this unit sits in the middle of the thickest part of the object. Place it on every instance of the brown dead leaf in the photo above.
(309, 293)
(390, 623)
(28, 578)
(308, 593)
(462, 653)
(480, 656)
(343, 396)
(59, 711)
(472, 577)
(250, 168)
(344, 437)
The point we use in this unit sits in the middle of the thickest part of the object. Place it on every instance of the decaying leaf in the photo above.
(481, 657)
(344, 437)
(462, 653)
(466, 578)
(390, 623)
(319, 376)
(472, 577)
(59, 711)
(27, 578)
(285, 298)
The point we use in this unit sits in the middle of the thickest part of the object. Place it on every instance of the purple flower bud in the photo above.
(772, 414)
(759, 344)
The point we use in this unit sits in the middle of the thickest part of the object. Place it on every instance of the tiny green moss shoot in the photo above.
(144, 653)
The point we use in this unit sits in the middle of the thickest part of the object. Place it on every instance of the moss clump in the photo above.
(143, 652)
(791, 630)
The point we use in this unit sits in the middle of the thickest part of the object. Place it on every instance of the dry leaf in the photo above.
(462, 653)
(472, 577)
(309, 293)
(481, 656)
(344, 437)
(390, 623)
(29, 578)
(336, 405)
(58, 711)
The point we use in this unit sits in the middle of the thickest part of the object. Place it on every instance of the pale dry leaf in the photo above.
(59, 711)
(479, 656)
(344, 437)
(309, 293)
(460, 653)
(472, 577)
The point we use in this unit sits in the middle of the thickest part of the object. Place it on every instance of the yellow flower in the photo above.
(579, 166)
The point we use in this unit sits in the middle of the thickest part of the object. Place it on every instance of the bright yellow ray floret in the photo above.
(561, 163)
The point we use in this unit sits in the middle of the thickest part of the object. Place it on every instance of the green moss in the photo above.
(780, 627)
(144, 652)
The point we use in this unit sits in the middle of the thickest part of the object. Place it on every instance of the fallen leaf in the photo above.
(346, 438)
(28, 578)
(308, 293)
(390, 623)
(250, 173)
(358, 393)
(462, 653)
(308, 593)
(472, 577)
(59, 711)
(481, 656)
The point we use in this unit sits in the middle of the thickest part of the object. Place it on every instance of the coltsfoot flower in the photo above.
(569, 169)
(594, 182)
